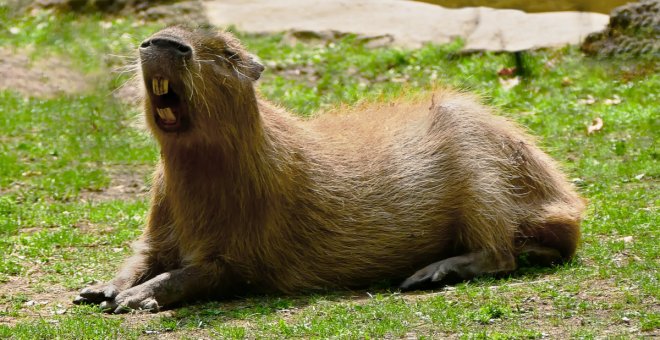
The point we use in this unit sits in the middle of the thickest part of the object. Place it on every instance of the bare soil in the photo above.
(33, 304)
(125, 184)
(45, 77)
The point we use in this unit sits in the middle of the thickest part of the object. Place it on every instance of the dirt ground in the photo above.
(43, 77)
(125, 183)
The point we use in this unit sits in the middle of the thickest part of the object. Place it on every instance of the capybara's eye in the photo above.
(231, 55)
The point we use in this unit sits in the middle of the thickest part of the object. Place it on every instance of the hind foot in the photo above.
(461, 267)
(536, 254)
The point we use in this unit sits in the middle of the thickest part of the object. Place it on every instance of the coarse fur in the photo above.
(249, 198)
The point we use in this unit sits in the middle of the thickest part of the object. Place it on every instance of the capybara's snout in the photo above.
(166, 44)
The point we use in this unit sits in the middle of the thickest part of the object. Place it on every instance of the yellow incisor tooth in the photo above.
(166, 114)
(159, 86)
(164, 85)
(154, 86)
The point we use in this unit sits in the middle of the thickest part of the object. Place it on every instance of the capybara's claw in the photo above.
(411, 283)
(109, 306)
(417, 280)
(127, 305)
(79, 300)
(97, 294)
(150, 305)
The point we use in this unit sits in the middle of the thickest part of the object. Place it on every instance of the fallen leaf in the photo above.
(614, 101)
(509, 83)
(587, 101)
(578, 182)
(507, 72)
(30, 173)
(550, 64)
(627, 239)
(596, 125)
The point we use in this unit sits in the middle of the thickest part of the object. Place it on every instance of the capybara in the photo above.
(248, 198)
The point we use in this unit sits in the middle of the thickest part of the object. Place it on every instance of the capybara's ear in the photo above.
(254, 67)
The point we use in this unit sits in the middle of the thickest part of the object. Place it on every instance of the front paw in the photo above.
(133, 299)
(96, 294)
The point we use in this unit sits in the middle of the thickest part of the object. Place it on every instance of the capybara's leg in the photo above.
(462, 267)
(147, 262)
(164, 289)
(557, 226)
(137, 268)
(540, 255)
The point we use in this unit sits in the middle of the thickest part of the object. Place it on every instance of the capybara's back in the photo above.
(248, 198)
(435, 176)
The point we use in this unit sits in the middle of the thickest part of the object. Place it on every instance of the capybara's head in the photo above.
(198, 83)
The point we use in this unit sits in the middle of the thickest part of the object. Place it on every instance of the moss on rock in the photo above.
(634, 29)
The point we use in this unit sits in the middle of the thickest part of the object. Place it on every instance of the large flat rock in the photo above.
(409, 23)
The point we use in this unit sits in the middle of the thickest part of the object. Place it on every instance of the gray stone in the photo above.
(513, 30)
(409, 23)
(185, 12)
(634, 29)
(110, 6)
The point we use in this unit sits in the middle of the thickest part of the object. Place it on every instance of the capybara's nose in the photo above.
(166, 43)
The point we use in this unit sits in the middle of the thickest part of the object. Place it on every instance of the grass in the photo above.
(61, 229)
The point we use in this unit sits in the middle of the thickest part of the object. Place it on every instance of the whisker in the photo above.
(125, 83)
(122, 56)
(192, 82)
(199, 75)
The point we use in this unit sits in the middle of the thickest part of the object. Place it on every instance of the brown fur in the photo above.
(249, 198)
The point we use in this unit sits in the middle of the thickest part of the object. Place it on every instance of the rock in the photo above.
(168, 12)
(409, 23)
(366, 18)
(187, 12)
(537, 6)
(110, 6)
(634, 29)
(324, 37)
(513, 30)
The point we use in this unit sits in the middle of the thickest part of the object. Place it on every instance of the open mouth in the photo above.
(167, 106)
